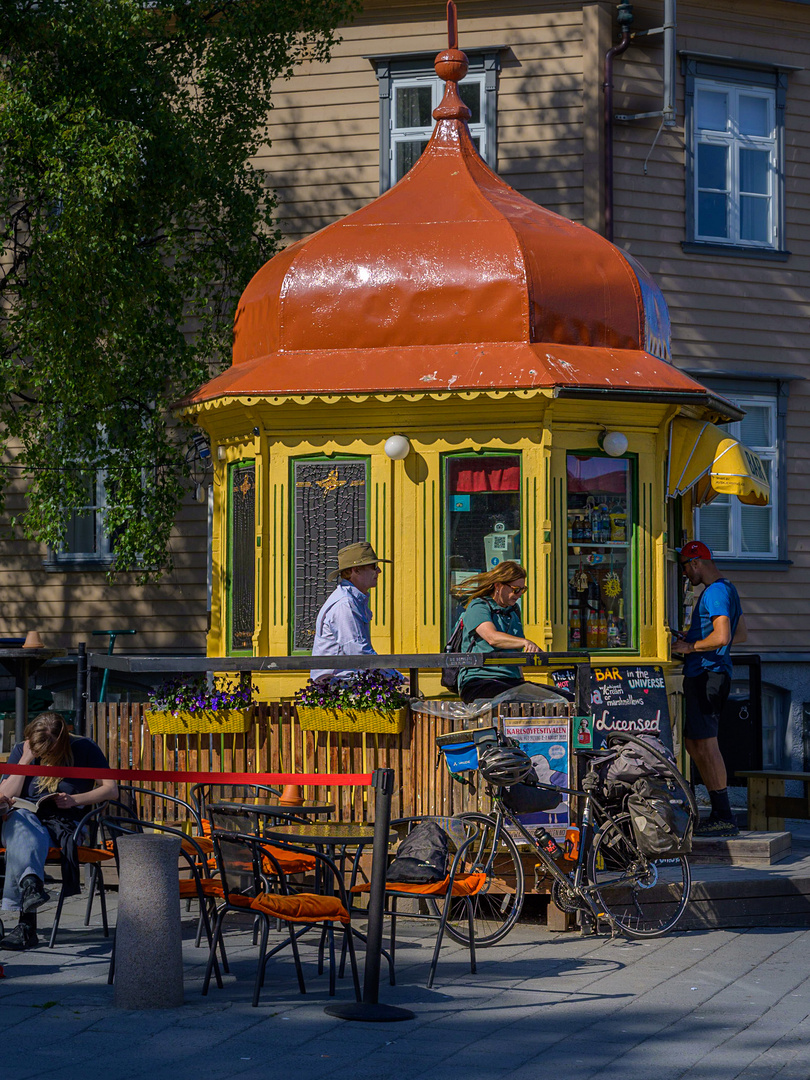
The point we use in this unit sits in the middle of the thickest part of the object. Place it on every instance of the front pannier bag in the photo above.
(660, 817)
(530, 799)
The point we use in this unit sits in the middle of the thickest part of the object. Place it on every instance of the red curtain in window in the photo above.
(484, 474)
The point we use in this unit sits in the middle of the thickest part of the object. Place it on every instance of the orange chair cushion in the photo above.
(86, 855)
(210, 887)
(464, 885)
(291, 862)
(298, 908)
(203, 843)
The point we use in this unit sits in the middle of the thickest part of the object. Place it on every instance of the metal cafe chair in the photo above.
(456, 886)
(243, 861)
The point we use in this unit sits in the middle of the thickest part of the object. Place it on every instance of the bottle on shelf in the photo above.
(621, 639)
(613, 632)
(586, 528)
(574, 628)
(570, 529)
(603, 629)
(593, 628)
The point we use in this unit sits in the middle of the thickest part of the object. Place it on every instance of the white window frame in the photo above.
(734, 141)
(104, 552)
(399, 135)
(736, 509)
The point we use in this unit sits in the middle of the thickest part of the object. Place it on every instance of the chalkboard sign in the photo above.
(625, 699)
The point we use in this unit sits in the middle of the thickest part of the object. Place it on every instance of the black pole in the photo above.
(369, 1009)
(81, 679)
(582, 690)
(21, 676)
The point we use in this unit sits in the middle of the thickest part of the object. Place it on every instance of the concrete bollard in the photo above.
(148, 937)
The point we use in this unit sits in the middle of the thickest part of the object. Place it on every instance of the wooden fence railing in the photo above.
(276, 743)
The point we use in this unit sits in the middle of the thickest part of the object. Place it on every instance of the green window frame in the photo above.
(240, 586)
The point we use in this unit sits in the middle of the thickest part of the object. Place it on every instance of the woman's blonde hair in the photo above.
(483, 584)
(49, 739)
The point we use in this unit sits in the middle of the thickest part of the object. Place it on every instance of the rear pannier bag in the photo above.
(661, 818)
(422, 856)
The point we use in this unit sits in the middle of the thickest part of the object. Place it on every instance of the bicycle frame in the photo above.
(584, 889)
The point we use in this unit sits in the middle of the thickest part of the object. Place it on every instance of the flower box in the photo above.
(201, 722)
(377, 721)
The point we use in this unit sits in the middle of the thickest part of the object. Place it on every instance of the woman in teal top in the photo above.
(491, 621)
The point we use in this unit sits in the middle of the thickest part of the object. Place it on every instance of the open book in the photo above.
(31, 804)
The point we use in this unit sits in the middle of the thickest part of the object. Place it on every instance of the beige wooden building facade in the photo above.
(729, 251)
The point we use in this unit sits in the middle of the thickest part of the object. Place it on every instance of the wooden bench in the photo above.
(768, 806)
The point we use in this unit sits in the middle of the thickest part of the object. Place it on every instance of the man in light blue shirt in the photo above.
(343, 626)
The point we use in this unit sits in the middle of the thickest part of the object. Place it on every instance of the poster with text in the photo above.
(546, 743)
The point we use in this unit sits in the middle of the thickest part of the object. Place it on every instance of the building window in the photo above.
(86, 540)
(241, 583)
(600, 537)
(410, 91)
(329, 512)
(481, 519)
(735, 154)
(730, 528)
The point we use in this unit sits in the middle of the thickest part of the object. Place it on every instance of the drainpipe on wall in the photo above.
(625, 19)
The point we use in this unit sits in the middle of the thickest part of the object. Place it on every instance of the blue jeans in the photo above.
(26, 841)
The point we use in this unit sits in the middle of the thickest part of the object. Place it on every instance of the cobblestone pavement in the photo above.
(703, 1006)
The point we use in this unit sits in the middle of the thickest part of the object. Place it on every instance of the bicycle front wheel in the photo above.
(497, 906)
(645, 897)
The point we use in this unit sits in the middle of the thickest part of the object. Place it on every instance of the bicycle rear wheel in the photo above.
(644, 896)
(496, 908)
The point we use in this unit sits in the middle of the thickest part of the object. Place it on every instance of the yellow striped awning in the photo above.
(705, 455)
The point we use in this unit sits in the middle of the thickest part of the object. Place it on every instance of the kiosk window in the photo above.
(600, 579)
(482, 518)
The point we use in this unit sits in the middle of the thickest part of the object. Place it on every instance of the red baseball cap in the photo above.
(694, 550)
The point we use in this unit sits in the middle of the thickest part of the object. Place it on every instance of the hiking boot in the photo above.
(22, 937)
(33, 894)
(714, 827)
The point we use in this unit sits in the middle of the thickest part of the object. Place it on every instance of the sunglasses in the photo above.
(519, 589)
(685, 562)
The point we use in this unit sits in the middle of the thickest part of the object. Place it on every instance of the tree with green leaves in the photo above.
(131, 221)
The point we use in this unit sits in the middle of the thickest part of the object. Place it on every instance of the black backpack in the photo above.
(422, 856)
(450, 674)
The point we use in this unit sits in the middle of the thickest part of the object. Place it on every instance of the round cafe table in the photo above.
(308, 808)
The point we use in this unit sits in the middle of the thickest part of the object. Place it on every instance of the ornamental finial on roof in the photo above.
(451, 65)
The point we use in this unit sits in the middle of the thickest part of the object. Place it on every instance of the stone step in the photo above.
(746, 849)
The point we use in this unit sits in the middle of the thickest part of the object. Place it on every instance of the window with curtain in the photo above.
(730, 528)
(481, 519)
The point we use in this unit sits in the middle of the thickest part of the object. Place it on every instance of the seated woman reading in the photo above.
(491, 622)
(28, 834)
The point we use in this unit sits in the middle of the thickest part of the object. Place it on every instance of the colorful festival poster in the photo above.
(546, 743)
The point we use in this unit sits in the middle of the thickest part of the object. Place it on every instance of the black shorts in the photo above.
(705, 695)
(486, 688)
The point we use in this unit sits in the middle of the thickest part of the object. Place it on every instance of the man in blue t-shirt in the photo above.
(717, 624)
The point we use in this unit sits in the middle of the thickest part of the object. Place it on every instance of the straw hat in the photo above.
(359, 554)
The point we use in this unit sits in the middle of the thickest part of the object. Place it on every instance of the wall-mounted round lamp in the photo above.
(614, 443)
(397, 447)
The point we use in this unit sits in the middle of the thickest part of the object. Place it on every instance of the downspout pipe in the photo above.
(625, 17)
